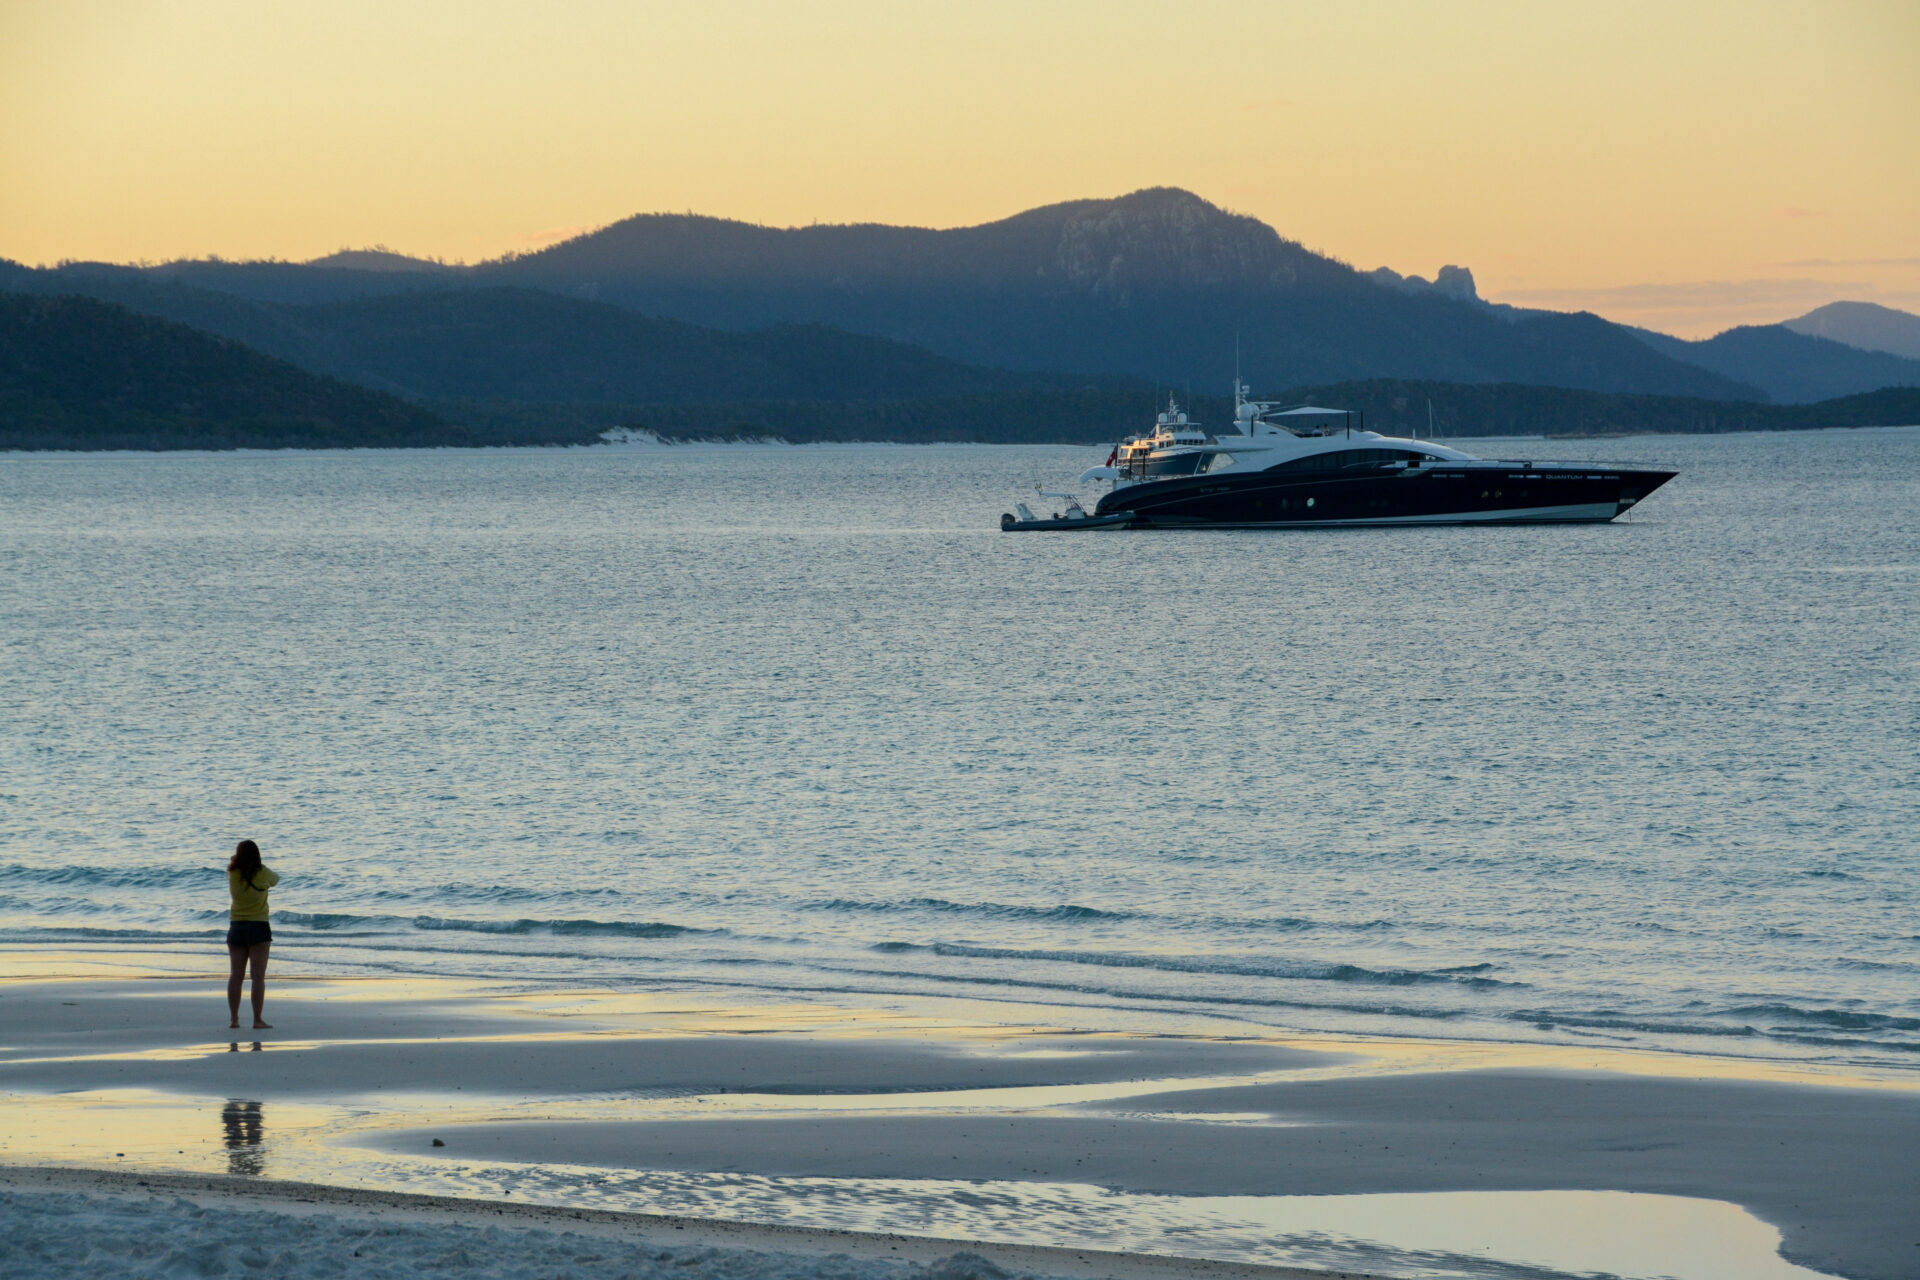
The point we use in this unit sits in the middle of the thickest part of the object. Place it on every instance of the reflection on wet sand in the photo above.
(244, 1129)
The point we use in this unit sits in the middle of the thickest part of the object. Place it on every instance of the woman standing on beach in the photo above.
(249, 937)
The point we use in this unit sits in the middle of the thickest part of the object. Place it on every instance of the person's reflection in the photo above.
(244, 1129)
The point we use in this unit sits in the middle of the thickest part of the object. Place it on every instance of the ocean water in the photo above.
(804, 722)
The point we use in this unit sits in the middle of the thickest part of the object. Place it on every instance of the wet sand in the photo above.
(795, 1245)
(1837, 1170)
(692, 1083)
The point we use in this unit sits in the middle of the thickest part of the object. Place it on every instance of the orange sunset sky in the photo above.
(1682, 165)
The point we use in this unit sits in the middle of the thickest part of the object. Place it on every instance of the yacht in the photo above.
(1290, 466)
(1175, 447)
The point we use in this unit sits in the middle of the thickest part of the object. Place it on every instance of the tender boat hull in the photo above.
(1442, 494)
(1112, 520)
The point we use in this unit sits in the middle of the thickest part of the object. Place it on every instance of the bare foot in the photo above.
(262, 1026)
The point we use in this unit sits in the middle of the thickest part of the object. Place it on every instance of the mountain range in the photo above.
(1092, 297)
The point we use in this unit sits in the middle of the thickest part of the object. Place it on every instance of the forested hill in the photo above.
(1865, 325)
(1792, 367)
(81, 374)
(527, 347)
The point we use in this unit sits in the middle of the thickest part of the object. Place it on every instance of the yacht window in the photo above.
(1340, 459)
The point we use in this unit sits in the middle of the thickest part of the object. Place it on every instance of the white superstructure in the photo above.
(1267, 434)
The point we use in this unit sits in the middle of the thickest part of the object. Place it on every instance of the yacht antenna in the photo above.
(1430, 433)
(1238, 396)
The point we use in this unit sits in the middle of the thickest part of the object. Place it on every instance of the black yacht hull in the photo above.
(1520, 494)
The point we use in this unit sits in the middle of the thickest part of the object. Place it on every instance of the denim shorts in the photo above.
(248, 933)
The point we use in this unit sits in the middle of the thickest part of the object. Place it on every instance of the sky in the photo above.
(1686, 165)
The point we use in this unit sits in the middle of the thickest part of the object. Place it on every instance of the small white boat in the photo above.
(1074, 516)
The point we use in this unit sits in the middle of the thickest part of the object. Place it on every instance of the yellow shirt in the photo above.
(250, 903)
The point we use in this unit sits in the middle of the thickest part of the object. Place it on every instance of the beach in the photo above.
(504, 521)
(759, 837)
(809, 1130)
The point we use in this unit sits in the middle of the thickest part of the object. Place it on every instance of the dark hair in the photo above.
(246, 860)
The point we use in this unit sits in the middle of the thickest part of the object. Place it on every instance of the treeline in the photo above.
(1390, 407)
(1400, 407)
(1016, 417)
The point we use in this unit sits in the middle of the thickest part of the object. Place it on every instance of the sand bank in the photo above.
(1836, 1170)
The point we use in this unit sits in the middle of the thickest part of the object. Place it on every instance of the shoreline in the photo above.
(1705, 1057)
(775, 443)
(893, 1121)
(599, 447)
